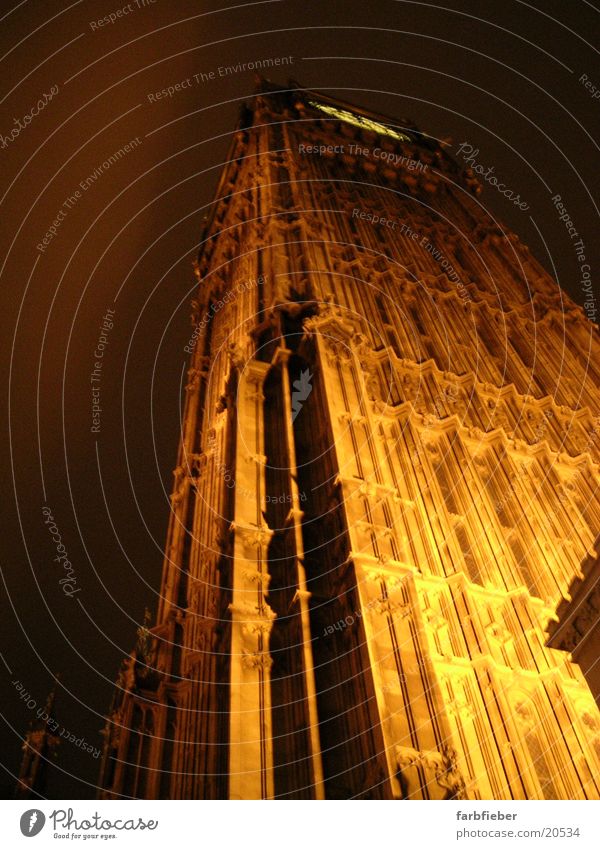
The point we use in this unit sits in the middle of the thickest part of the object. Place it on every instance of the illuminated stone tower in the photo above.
(387, 480)
(39, 750)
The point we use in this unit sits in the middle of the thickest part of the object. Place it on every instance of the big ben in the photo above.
(387, 481)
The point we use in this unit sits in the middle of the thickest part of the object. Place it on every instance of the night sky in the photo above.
(506, 77)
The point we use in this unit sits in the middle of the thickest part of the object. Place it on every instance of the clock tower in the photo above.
(386, 483)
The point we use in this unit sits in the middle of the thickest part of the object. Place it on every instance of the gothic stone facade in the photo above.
(387, 481)
(577, 629)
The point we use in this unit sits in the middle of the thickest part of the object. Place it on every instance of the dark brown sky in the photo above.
(503, 76)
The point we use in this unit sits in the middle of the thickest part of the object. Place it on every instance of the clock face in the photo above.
(360, 121)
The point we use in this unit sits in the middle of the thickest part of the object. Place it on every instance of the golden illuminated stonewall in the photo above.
(387, 480)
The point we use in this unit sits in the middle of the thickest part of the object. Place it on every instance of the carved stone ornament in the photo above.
(263, 626)
(253, 537)
(448, 775)
(364, 349)
(431, 443)
(457, 402)
(434, 619)
(525, 714)
(249, 614)
(442, 764)
(193, 383)
(410, 384)
(386, 606)
(461, 707)
(407, 757)
(255, 576)
(499, 632)
(337, 351)
(257, 660)
(373, 388)
(578, 439)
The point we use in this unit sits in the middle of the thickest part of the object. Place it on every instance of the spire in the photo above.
(39, 746)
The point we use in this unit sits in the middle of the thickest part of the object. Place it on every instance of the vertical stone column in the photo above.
(251, 745)
(302, 594)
